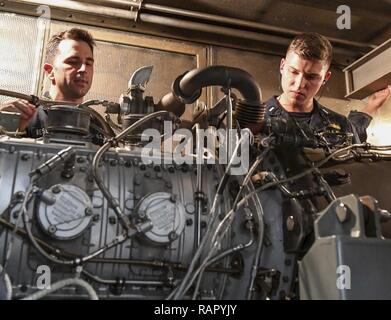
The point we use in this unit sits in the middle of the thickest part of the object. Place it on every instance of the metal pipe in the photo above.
(64, 283)
(230, 142)
(126, 282)
(202, 27)
(246, 24)
(120, 4)
(199, 192)
(33, 99)
(84, 8)
(194, 80)
(242, 34)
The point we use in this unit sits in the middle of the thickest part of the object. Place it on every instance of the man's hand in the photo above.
(377, 100)
(26, 110)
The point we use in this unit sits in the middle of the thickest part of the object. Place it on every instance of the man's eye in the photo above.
(312, 77)
(294, 72)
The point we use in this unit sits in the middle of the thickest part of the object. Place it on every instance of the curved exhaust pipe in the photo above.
(187, 88)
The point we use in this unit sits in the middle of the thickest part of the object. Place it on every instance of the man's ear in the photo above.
(327, 77)
(49, 71)
(282, 64)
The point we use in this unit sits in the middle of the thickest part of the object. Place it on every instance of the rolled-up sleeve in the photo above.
(360, 121)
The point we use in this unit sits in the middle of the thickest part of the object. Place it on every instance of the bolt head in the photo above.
(56, 189)
(112, 220)
(342, 213)
(52, 229)
(172, 235)
(290, 223)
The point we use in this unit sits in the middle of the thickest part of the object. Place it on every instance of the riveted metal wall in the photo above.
(21, 41)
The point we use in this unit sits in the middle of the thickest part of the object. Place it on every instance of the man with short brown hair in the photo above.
(69, 65)
(304, 70)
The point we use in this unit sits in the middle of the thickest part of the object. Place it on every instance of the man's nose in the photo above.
(83, 67)
(300, 81)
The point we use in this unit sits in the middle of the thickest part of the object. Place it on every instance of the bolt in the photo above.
(142, 166)
(249, 225)
(114, 162)
(172, 235)
(159, 175)
(290, 223)
(384, 215)
(80, 160)
(25, 157)
(88, 211)
(96, 218)
(52, 229)
(56, 189)
(173, 198)
(156, 168)
(142, 214)
(19, 195)
(282, 295)
(68, 174)
(189, 222)
(128, 163)
(171, 170)
(190, 208)
(342, 213)
(23, 287)
(112, 220)
(203, 224)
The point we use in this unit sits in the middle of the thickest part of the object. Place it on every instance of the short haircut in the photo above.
(73, 34)
(312, 46)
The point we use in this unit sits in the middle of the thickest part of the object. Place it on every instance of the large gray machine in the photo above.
(93, 210)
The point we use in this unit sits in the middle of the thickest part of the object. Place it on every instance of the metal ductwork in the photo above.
(235, 25)
(110, 9)
(138, 10)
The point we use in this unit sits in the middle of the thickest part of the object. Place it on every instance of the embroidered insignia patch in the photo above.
(334, 126)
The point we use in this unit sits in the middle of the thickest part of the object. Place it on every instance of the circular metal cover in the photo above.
(68, 119)
(167, 215)
(67, 214)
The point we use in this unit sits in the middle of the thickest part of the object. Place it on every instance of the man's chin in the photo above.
(78, 94)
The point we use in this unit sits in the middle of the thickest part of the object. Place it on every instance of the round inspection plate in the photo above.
(167, 215)
(67, 214)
